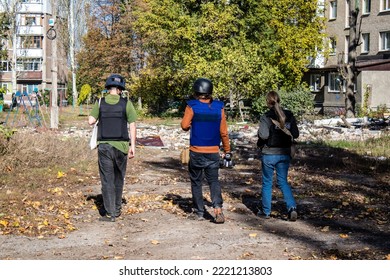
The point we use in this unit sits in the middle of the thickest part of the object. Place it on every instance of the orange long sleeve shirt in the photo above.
(186, 125)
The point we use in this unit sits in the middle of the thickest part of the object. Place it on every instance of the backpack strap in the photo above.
(284, 129)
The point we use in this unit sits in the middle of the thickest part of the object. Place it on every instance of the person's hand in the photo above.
(228, 156)
(131, 153)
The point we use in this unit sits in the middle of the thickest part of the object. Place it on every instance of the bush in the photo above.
(299, 101)
(5, 136)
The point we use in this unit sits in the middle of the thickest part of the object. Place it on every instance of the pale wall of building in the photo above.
(379, 82)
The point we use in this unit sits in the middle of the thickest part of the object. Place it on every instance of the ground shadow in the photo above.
(98, 201)
(186, 205)
(335, 188)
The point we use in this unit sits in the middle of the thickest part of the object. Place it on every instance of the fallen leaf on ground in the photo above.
(60, 174)
(325, 229)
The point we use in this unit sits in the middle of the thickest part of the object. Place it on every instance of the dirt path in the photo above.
(156, 221)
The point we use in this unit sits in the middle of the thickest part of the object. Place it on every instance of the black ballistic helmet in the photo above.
(203, 86)
(115, 80)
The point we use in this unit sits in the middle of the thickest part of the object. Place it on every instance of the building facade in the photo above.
(29, 65)
(372, 87)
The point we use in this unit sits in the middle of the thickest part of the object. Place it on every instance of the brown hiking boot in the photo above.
(219, 217)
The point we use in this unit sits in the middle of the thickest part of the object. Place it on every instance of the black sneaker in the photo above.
(107, 218)
(196, 217)
(292, 214)
(261, 214)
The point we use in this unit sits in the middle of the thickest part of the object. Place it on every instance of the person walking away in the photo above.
(114, 114)
(205, 118)
(275, 154)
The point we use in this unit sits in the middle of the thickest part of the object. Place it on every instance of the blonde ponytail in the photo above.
(273, 101)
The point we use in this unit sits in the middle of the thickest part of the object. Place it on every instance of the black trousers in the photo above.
(112, 169)
(208, 165)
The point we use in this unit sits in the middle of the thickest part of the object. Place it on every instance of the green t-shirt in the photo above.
(111, 99)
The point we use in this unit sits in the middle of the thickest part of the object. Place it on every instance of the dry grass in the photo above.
(27, 149)
(41, 172)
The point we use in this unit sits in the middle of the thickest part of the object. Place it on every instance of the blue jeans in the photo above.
(280, 164)
(112, 169)
(207, 164)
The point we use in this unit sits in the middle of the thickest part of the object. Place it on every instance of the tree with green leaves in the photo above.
(162, 46)
(85, 94)
(245, 47)
(109, 46)
(4, 27)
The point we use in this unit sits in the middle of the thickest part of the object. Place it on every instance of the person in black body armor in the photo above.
(206, 119)
(275, 154)
(114, 114)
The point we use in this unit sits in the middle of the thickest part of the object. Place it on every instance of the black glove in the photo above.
(227, 161)
(228, 156)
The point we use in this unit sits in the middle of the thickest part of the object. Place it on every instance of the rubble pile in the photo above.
(242, 134)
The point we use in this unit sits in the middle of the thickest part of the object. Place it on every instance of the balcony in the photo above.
(36, 7)
(29, 75)
(32, 8)
(31, 30)
(29, 53)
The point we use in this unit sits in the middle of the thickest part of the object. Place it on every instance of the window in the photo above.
(31, 64)
(31, 42)
(366, 6)
(5, 66)
(332, 45)
(334, 82)
(384, 40)
(6, 44)
(31, 1)
(321, 8)
(6, 86)
(365, 43)
(29, 88)
(385, 5)
(30, 20)
(333, 10)
(315, 82)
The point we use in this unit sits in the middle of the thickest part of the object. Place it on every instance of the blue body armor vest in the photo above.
(206, 123)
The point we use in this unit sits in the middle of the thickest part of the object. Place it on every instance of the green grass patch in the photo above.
(377, 147)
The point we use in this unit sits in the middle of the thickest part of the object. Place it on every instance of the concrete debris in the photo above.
(245, 135)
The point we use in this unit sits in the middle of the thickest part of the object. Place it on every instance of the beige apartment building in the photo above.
(373, 57)
(31, 47)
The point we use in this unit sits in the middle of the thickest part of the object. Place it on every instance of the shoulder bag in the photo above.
(93, 141)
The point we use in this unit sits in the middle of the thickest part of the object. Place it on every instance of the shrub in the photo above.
(299, 101)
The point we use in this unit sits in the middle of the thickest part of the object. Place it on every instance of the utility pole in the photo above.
(14, 9)
(54, 73)
(71, 50)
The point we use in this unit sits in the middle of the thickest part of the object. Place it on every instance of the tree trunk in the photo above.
(351, 71)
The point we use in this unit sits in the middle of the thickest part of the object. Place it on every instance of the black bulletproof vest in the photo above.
(277, 138)
(113, 121)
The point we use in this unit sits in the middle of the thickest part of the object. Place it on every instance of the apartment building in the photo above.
(373, 57)
(30, 46)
